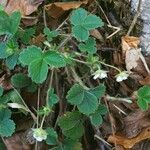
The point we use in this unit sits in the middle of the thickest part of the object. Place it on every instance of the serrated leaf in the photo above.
(89, 46)
(89, 103)
(5, 113)
(142, 104)
(20, 80)
(38, 70)
(50, 34)
(51, 136)
(54, 59)
(3, 50)
(98, 91)
(52, 98)
(14, 19)
(96, 119)
(7, 127)
(144, 92)
(71, 124)
(75, 94)
(92, 22)
(80, 33)
(78, 16)
(30, 54)
(82, 23)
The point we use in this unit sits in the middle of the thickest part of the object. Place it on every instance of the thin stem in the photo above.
(38, 106)
(42, 122)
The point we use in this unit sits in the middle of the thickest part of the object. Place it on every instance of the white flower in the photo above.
(122, 76)
(39, 134)
(99, 74)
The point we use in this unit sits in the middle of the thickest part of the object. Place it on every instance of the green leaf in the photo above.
(82, 23)
(92, 22)
(89, 103)
(51, 136)
(20, 80)
(50, 34)
(30, 54)
(52, 98)
(75, 94)
(80, 33)
(54, 59)
(71, 124)
(144, 92)
(27, 34)
(142, 104)
(96, 117)
(14, 22)
(1, 90)
(3, 50)
(38, 70)
(89, 46)
(32, 87)
(78, 16)
(7, 126)
(98, 91)
(11, 61)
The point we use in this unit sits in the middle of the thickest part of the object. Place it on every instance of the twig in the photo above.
(135, 17)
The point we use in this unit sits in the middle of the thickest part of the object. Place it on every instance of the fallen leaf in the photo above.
(129, 142)
(131, 58)
(57, 9)
(95, 33)
(129, 42)
(26, 7)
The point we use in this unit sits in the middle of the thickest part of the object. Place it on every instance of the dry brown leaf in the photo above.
(129, 142)
(95, 33)
(129, 42)
(57, 9)
(26, 7)
(131, 58)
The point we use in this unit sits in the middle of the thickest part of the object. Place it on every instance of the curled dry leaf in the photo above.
(26, 7)
(130, 142)
(145, 81)
(57, 9)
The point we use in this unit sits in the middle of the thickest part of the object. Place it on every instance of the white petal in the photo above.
(119, 78)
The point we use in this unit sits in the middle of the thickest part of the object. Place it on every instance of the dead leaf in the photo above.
(131, 58)
(26, 7)
(129, 142)
(95, 33)
(129, 42)
(57, 9)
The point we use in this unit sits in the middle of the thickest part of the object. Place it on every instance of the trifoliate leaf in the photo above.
(52, 98)
(71, 124)
(7, 127)
(75, 94)
(38, 70)
(20, 80)
(54, 59)
(89, 103)
(1, 90)
(80, 33)
(82, 23)
(50, 34)
(98, 91)
(30, 54)
(89, 46)
(51, 136)
(78, 16)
